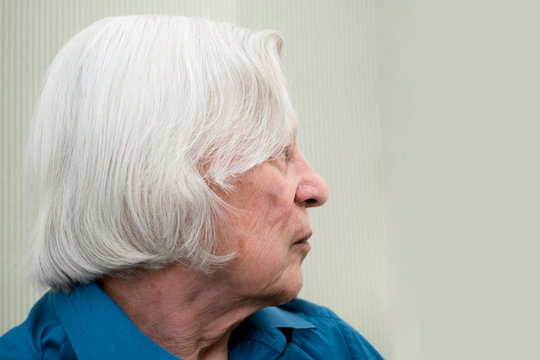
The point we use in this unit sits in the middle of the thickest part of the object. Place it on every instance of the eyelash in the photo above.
(287, 152)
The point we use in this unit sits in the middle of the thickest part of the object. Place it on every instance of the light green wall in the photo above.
(329, 59)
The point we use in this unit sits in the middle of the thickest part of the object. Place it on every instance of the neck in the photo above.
(188, 313)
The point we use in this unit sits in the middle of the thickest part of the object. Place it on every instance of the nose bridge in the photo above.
(312, 189)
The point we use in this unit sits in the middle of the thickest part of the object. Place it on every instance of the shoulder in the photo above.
(331, 332)
(41, 335)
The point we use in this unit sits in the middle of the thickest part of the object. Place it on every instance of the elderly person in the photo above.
(172, 202)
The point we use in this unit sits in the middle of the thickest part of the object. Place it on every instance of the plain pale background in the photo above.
(476, 106)
(460, 108)
(329, 58)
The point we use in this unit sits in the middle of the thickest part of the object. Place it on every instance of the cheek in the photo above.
(265, 230)
(280, 203)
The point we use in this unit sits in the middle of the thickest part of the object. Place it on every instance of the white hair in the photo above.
(139, 118)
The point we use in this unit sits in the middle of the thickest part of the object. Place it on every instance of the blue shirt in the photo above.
(88, 324)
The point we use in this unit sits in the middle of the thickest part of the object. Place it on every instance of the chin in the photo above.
(290, 290)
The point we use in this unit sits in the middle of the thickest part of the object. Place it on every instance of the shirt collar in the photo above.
(276, 317)
(99, 329)
(267, 331)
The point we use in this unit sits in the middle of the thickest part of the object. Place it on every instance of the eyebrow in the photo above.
(294, 135)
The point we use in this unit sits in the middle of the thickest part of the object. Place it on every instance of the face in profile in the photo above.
(270, 226)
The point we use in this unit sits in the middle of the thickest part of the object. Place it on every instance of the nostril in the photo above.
(311, 195)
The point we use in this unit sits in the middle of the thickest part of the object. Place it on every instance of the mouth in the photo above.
(303, 240)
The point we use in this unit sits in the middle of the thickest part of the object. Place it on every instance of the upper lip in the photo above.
(303, 238)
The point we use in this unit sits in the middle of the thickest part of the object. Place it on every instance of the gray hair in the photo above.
(139, 118)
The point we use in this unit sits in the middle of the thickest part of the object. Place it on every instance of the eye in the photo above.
(287, 152)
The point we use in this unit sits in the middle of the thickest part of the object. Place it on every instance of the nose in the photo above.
(312, 190)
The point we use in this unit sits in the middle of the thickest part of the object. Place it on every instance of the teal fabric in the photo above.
(88, 324)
